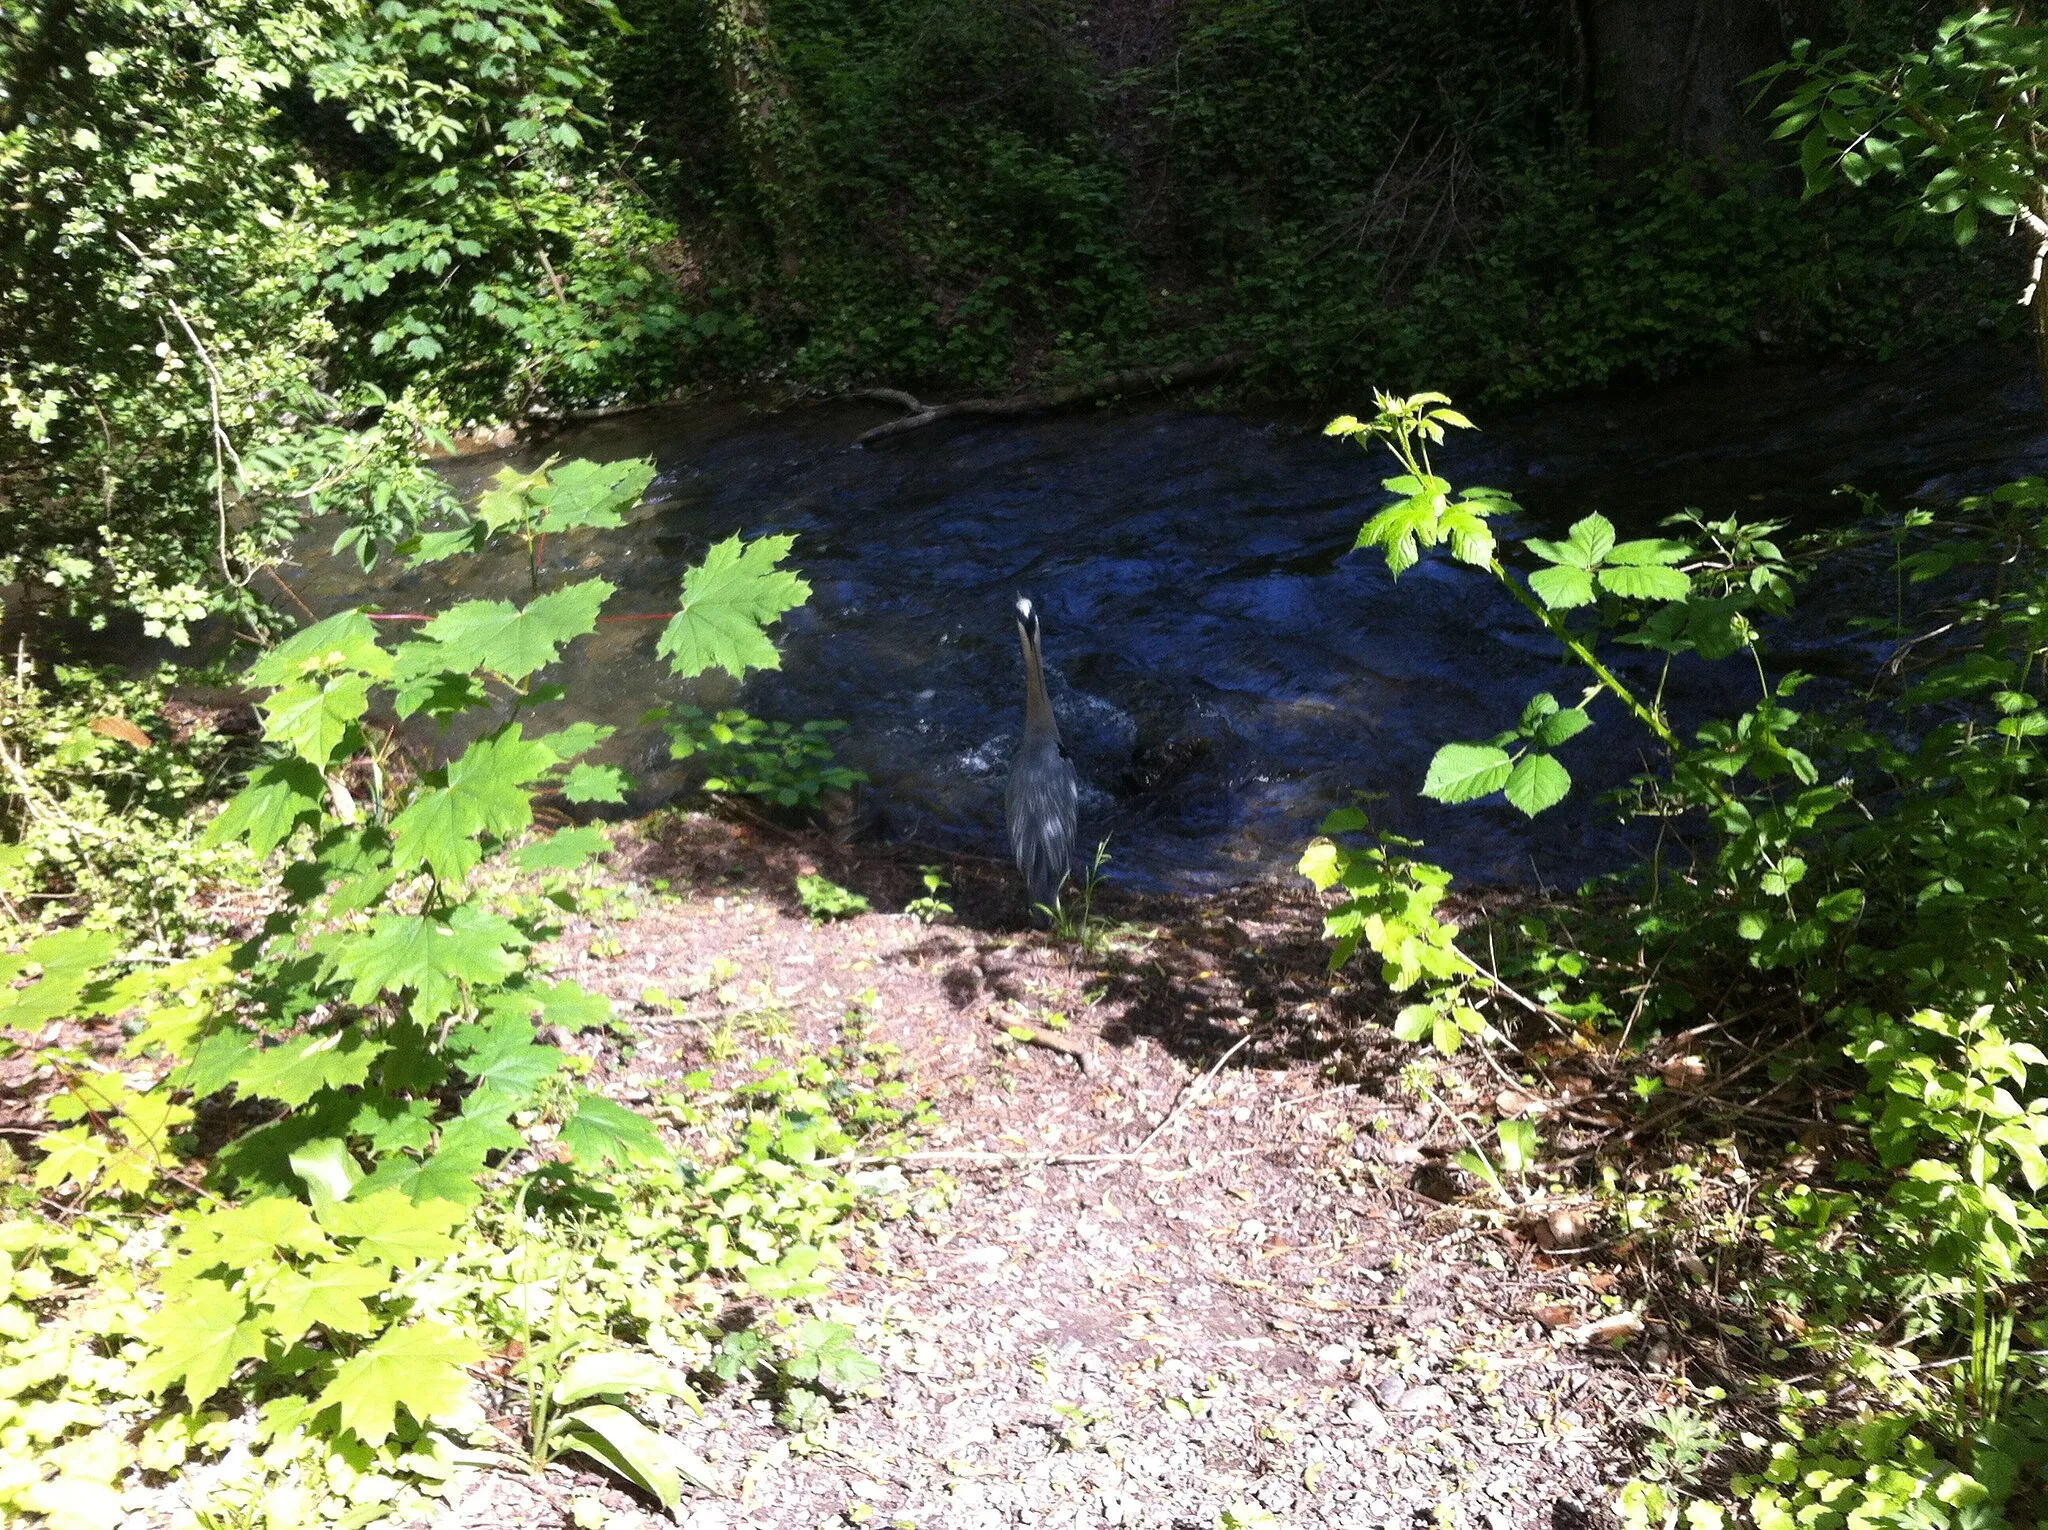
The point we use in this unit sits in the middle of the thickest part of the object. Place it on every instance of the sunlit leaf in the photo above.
(728, 602)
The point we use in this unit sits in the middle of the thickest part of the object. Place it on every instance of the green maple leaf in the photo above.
(565, 850)
(346, 641)
(390, 1125)
(583, 493)
(311, 717)
(293, 1071)
(198, 1338)
(331, 1294)
(727, 603)
(493, 635)
(603, 1132)
(69, 960)
(577, 738)
(1462, 772)
(420, 1366)
(391, 1228)
(252, 1234)
(573, 1007)
(447, 1177)
(428, 953)
(484, 793)
(596, 783)
(511, 1071)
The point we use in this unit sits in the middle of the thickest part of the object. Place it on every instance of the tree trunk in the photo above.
(771, 129)
(1668, 74)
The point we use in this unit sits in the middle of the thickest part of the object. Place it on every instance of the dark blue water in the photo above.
(1225, 668)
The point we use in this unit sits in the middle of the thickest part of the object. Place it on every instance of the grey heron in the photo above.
(1042, 800)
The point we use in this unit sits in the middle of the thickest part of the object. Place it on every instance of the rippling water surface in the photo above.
(1225, 668)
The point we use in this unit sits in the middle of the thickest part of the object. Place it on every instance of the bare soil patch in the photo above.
(1274, 1305)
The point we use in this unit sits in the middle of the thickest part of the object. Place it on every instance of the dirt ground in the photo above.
(1278, 1305)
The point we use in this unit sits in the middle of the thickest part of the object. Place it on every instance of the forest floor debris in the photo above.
(1273, 1306)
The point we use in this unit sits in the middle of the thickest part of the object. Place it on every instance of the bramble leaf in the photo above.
(727, 603)
(1537, 782)
(1462, 772)
(1646, 582)
(1562, 588)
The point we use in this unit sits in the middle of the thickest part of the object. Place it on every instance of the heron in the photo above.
(1042, 799)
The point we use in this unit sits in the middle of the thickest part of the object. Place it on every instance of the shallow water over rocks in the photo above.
(1225, 668)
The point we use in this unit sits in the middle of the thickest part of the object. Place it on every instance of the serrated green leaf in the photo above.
(1559, 726)
(293, 1071)
(428, 953)
(69, 959)
(392, 1229)
(310, 717)
(578, 738)
(513, 643)
(1537, 782)
(448, 1176)
(584, 494)
(603, 1133)
(280, 795)
(485, 794)
(1648, 550)
(727, 603)
(1561, 588)
(1647, 582)
(1462, 772)
(596, 783)
(420, 1366)
(564, 850)
(196, 1340)
(346, 641)
(332, 1294)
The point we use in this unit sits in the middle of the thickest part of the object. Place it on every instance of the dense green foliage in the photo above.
(1877, 871)
(260, 254)
(380, 1038)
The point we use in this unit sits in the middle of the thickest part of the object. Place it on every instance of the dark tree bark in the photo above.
(1668, 74)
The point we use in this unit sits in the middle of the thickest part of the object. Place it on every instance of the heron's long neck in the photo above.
(1037, 706)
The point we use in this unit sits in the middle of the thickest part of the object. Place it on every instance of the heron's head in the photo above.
(1027, 617)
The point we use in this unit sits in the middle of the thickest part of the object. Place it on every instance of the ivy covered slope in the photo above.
(1850, 891)
(363, 1166)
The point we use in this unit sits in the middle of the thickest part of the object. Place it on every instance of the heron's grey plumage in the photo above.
(1042, 801)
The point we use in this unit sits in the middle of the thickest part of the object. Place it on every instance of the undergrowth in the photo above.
(1852, 893)
(325, 1214)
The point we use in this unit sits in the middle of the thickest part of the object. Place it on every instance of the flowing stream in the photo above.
(1226, 669)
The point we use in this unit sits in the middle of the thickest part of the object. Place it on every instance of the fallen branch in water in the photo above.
(1138, 379)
